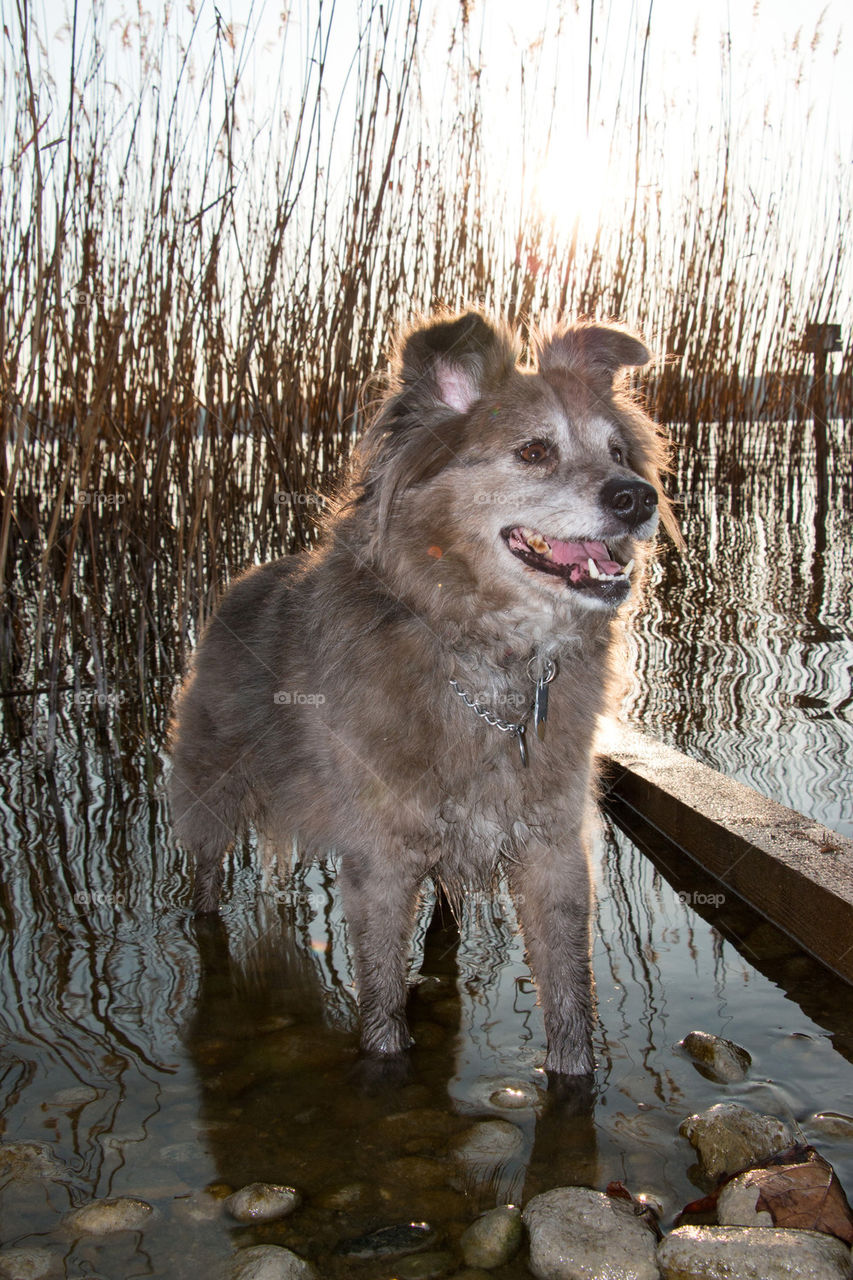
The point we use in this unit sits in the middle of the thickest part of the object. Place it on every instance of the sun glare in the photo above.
(576, 183)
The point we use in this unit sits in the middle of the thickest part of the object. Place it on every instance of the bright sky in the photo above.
(778, 72)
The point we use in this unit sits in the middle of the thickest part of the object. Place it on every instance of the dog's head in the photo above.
(528, 488)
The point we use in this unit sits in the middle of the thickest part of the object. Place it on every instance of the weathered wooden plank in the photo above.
(795, 871)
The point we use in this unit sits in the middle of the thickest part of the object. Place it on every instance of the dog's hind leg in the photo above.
(380, 899)
(551, 888)
(206, 818)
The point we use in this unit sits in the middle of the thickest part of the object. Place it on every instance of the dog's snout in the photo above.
(631, 501)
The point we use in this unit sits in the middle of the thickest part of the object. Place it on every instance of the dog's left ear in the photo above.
(594, 349)
(454, 362)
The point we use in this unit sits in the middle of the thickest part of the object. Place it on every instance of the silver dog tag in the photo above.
(540, 706)
(522, 744)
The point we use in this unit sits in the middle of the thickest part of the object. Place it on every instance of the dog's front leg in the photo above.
(379, 899)
(551, 888)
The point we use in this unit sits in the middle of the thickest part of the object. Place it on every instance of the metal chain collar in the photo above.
(518, 728)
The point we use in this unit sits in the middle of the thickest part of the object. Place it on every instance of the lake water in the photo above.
(156, 1061)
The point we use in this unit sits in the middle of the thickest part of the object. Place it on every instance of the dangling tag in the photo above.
(540, 706)
(522, 744)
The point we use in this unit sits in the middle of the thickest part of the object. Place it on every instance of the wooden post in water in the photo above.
(819, 340)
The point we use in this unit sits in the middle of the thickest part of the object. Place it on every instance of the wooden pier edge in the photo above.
(796, 872)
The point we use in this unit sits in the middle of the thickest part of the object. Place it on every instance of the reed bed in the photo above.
(196, 293)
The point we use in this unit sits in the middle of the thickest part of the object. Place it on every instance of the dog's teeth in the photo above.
(626, 568)
(538, 544)
(593, 568)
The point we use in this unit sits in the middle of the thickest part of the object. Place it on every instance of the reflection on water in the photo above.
(744, 654)
(157, 1058)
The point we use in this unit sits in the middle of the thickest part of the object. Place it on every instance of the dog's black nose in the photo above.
(631, 501)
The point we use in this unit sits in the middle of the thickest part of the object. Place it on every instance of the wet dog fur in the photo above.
(320, 702)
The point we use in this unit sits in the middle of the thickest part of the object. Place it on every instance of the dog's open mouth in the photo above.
(586, 565)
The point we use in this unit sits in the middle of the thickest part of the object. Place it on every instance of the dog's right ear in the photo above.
(453, 362)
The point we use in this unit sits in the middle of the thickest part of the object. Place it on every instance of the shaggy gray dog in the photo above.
(421, 693)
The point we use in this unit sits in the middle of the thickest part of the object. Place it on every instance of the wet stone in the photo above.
(493, 1238)
(424, 1266)
(720, 1059)
(30, 1264)
(752, 1253)
(420, 1128)
(489, 1142)
(103, 1217)
(417, 1171)
(198, 1208)
(262, 1202)
(352, 1195)
(268, 1262)
(389, 1242)
(736, 1205)
(579, 1234)
(23, 1160)
(730, 1138)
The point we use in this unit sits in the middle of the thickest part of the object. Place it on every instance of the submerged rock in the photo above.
(424, 1266)
(579, 1234)
(23, 1160)
(832, 1124)
(752, 1253)
(262, 1202)
(268, 1262)
(720, 1059)
(102, 1217)
(389, 1242)
(489, 1142)
(493, 1238)
(729, 1137)
(30, 1264)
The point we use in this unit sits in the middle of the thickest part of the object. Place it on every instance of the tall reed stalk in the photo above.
(195, 295)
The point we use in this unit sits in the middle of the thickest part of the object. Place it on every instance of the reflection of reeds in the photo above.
(189, 319)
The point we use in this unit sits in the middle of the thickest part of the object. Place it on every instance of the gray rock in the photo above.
(24, 1160)
(103, 1217)
(752, 1253)
(30, 1264)
(736, 1205)
(729, 1137)
(720, 1059)
(262, 1202)
(578, 1234)
(489, 1142)
(268, 1262)
(493, 1239)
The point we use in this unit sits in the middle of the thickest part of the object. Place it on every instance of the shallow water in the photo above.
(157, 1060)
(744, 650)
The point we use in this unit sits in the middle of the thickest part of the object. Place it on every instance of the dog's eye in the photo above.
(617, 454)
(534, 451)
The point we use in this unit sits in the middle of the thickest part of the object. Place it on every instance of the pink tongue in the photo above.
(577, 553)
